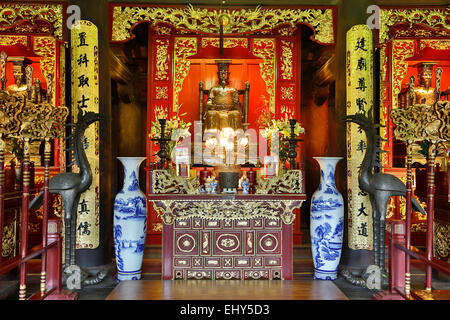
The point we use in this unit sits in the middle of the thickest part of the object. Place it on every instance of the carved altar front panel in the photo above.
(218, 236)
(228, 249)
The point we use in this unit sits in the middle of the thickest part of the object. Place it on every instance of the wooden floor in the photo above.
(226, 290)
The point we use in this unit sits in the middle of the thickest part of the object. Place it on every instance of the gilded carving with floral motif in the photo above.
(421, 122)
(286, 60)
(287, 93)
(432, 18)
(233, 21)
(227, 209)
(166, 182)
(441, 44)
(8, 40)
(11, 14)
(9, 240)
(46, 47)
(265, 48)
(441, 240)
(289, 182)
(11, 105)
(162, 59)
(401, 49)
(162, 93)
(183, 48)
(227, 42)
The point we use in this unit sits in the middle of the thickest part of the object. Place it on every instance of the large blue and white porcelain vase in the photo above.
(130, 222)
(327, 222)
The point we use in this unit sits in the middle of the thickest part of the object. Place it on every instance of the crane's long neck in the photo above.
(81, 158)
(367, 165)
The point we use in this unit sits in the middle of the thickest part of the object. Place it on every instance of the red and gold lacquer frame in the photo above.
(405, 34)
(177, 33)
(404, 31)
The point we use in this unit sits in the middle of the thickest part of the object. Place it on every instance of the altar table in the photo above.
(219, 236)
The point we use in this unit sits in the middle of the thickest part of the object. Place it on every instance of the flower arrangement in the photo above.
(283, 128)
(175, 128)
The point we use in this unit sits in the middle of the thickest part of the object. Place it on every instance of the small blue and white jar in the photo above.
(327, 222)
(130, 222)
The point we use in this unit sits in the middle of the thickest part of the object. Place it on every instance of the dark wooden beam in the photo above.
(97, 13)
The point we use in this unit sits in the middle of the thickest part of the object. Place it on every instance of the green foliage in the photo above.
(17, 148)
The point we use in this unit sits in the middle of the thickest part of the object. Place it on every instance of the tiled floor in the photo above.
(303, 269)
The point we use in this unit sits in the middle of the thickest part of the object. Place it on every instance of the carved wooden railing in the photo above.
(414, 124)
(26, 120)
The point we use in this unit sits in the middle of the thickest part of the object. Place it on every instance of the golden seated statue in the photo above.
(23, 73)
(223, 107)
(18, 87)
(224, 114)
(424, 93)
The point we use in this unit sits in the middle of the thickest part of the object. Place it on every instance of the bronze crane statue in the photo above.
(379, 186)
(71, 185)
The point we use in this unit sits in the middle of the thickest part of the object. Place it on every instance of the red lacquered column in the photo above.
(430, 213)
(54, 255)
(448, 173)
(397, 270)
(2, 190)
(24, 227)
(408, 217)
(47, 147)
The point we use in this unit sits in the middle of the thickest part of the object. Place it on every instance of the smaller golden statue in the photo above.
(425, 93)
(22, 76)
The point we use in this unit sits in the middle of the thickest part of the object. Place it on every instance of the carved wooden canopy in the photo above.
(414, 22)
(189, 19)
(33, 17)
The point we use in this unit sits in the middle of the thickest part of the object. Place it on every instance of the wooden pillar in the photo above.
(45, 212)
(24, 220)
(2, 190)
(97, 13)
(350, 13)
(397, 258)
(408, 217)
(430, 212)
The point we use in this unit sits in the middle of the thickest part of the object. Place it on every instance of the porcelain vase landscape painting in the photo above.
(130, 222)
(327, 222)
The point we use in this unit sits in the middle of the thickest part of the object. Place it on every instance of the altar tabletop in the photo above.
(238, 196)
(226, 290)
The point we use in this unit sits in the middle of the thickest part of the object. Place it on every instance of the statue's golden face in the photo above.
(223, 77)
(18, 77)
(426, 77)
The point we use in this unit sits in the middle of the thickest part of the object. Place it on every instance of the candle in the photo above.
(251, 181)
(204, 174)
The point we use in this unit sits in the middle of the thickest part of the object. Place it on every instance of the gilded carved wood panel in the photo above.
(235, 21)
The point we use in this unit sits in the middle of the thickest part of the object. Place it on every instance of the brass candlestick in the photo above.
(292, 144)
(162, 142)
